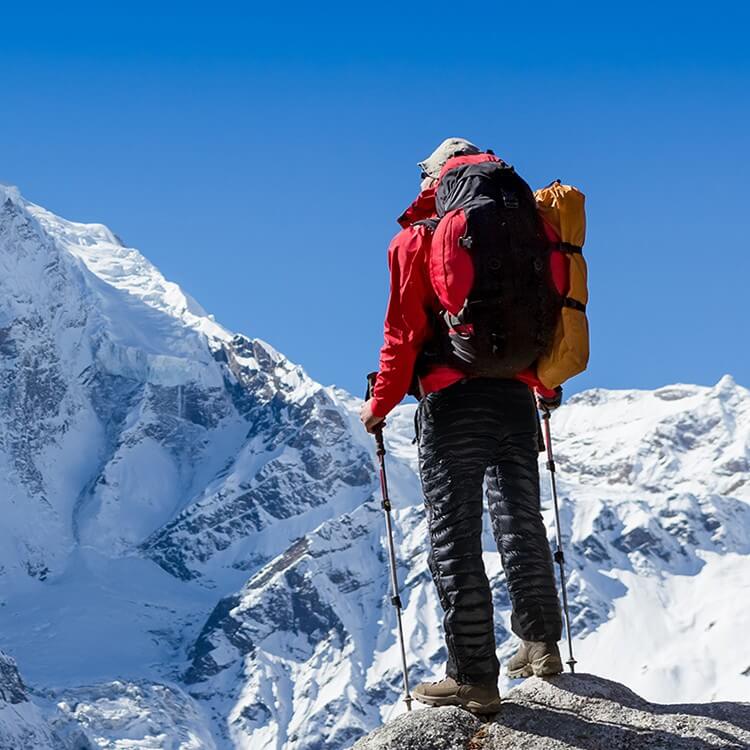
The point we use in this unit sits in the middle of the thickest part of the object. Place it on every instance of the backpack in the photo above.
(489, 265)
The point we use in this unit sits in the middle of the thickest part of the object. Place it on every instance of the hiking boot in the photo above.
(479, 699)
(535, 658)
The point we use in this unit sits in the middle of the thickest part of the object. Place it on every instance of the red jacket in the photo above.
(407, 320)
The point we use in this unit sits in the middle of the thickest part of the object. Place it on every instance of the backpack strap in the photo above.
(574, 303)
(566, 247)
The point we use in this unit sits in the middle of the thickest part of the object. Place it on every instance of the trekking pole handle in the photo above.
(371, 378)
(548, 440)
(378, 431)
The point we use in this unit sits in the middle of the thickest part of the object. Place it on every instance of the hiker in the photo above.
(472, 427)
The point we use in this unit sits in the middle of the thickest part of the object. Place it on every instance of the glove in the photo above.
(550, 403)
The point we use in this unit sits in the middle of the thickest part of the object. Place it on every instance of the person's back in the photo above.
(470, 428)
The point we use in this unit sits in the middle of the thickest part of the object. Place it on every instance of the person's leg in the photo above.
(513, 497)
(452, 461)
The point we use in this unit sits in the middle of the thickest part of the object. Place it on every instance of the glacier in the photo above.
(192, 549)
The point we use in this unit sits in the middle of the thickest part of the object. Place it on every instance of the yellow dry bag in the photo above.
(562, 209)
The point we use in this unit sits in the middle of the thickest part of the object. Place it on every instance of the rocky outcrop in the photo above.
(24, 725)
(576, 712)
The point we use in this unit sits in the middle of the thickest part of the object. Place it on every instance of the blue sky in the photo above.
(260, 157)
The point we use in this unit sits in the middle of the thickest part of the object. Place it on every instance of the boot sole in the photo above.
(545, 667)
(473, 706)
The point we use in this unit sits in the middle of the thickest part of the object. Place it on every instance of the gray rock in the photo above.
(576, 712)
(12, 689)
(424, 729)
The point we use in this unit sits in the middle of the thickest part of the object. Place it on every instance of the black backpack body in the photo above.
(490, 268)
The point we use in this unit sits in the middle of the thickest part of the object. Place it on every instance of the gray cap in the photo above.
(449, 148)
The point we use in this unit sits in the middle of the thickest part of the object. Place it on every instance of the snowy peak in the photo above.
(126, 270)
(119, 267)
(84, 284)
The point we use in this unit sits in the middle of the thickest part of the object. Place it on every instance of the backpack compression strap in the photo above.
(574, 303)
(431, 224)
(566, 247)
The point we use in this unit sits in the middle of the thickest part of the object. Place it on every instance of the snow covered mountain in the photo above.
(656, 509)
(192, 551)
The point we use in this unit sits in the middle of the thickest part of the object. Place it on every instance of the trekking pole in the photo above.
(386, 503)
(559, 558)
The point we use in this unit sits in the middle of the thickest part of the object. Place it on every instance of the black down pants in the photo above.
(477, 428)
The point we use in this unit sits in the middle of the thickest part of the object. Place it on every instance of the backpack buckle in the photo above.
(510, 199)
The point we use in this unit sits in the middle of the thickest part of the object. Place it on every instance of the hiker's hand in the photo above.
(549, 403)
(369, 420)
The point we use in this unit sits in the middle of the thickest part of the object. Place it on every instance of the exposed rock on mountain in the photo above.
(24, 726)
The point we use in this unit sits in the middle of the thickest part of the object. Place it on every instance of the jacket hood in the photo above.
(423, 207)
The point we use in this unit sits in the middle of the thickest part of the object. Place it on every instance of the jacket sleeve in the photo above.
(407, 322)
